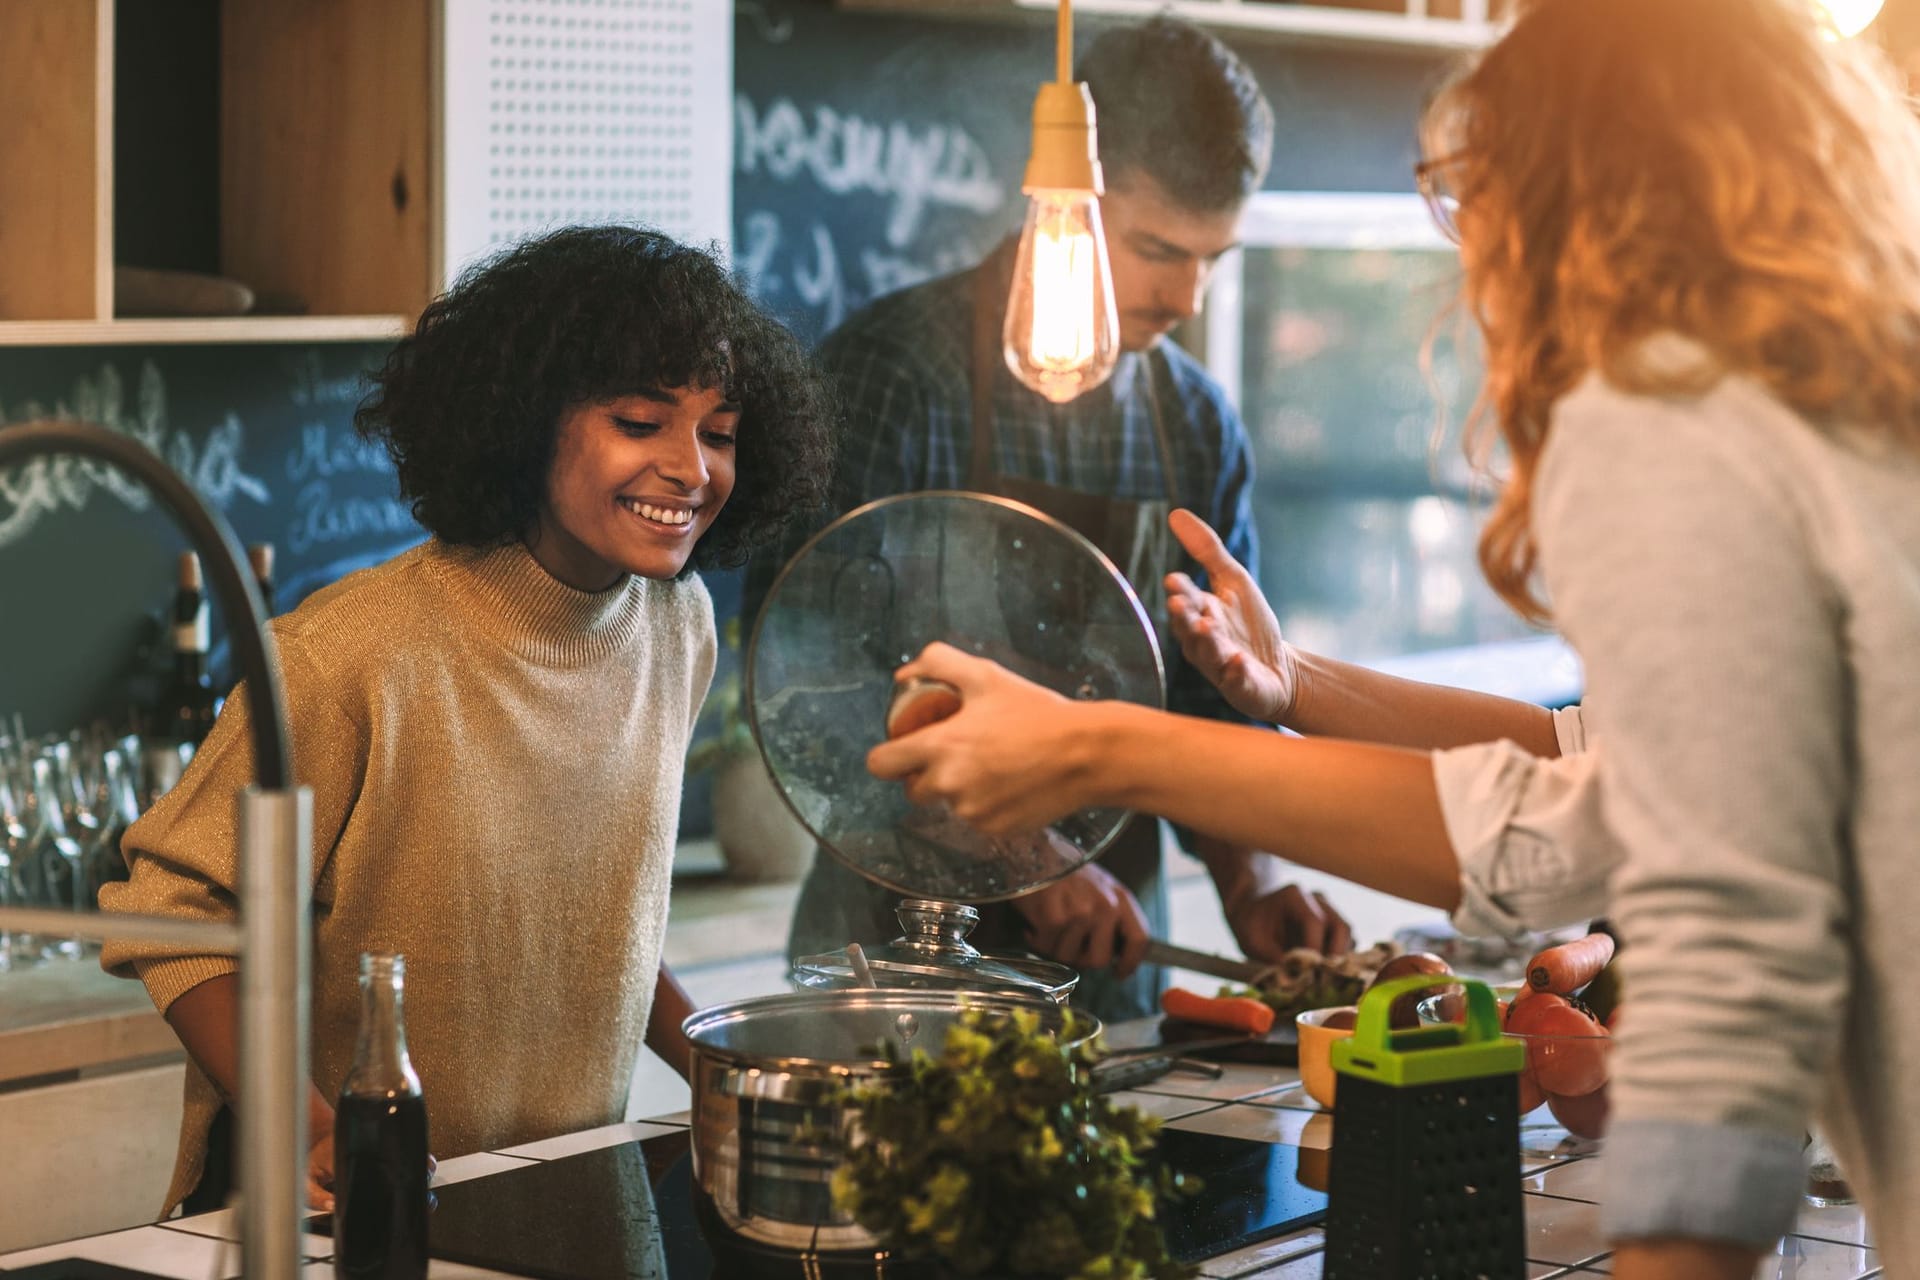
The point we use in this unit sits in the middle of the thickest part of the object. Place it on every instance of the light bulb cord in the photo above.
(1063, 47)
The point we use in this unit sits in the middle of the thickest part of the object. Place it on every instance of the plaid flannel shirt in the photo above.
(901, 368)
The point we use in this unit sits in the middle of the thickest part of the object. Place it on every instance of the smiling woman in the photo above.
(635, 482)
(579, 423)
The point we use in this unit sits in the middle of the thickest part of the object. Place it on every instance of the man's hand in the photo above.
(1230, 633)
(1088, 921)
(1268, 925)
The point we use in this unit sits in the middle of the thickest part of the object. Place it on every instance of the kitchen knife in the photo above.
(1251, 972)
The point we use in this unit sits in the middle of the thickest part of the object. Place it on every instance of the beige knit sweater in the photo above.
(495, 761)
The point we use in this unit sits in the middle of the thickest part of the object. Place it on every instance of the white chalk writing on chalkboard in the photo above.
(43, 486)
(916, 170)
(312, 387)
(324, 453)
(320, 518)
(933, 166)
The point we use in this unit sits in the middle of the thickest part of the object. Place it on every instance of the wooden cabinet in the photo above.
(363, 146)
(56, 176)
(325, 197)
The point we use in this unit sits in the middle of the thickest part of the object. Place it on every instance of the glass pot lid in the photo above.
(933, 954)
(987, 575)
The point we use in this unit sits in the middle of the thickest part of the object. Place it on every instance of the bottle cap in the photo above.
(190, 578)
(260, 556)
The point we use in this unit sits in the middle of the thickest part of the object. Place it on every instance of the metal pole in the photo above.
(276, 835)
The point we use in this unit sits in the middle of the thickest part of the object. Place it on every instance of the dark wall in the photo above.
(86, 563)
(872, 152)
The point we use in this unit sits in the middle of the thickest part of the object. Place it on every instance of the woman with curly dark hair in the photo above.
(493, 724)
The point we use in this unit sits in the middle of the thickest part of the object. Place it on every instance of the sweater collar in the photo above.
(537, 615)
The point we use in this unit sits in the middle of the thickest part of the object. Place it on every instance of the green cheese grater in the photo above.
(1425, 1176)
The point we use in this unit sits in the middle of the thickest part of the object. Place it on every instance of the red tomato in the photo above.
(1566, 1048)
(1584, 1116)
(1531, 1094)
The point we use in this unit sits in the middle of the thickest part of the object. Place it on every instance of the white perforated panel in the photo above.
(569, 111)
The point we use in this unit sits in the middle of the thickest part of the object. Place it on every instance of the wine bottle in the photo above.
(380, 1197)
(189, 705)
(260, 556)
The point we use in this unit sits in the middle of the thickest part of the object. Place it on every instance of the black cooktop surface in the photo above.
(632, 1211)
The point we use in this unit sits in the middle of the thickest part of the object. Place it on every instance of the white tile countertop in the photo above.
(1255, 1102)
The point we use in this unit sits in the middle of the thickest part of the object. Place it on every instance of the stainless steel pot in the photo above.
(768, 1127)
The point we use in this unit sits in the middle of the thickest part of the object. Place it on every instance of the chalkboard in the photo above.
(264, 434)
(874, 151)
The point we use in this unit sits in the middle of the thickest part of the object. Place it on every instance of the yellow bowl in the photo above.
(1316, 1047)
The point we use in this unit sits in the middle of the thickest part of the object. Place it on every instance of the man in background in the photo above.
(1184, 137)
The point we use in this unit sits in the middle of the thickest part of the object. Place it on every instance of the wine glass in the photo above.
(20, 887)
(116, 806)
(54, 853)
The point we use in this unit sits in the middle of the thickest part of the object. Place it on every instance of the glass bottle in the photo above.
(188, 704)
(260, 559)
(380, 1198)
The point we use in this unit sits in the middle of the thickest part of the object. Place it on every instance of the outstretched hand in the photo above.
(1010, 760)
(1229, 634)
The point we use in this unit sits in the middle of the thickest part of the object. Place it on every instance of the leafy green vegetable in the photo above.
(998, 1157)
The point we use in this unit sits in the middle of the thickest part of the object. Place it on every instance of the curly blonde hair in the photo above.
(1716, 168)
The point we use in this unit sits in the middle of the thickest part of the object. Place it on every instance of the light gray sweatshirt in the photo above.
(1744, 592)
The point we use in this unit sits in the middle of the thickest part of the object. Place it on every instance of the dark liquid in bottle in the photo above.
(380, 1188)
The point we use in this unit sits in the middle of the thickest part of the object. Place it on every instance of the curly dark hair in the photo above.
(1172, 102)
(470, 403)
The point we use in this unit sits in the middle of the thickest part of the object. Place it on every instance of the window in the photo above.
(1367, 528)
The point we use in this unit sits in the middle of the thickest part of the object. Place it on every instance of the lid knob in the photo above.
(937, 928)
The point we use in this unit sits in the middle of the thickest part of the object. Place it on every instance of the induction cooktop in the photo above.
(632, 1211)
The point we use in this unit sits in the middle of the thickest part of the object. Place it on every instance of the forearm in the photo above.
(671, 1007)
(207, 1021)
(1340, 700)
(1683, 1260)
(1238, 871)
(1365, 812)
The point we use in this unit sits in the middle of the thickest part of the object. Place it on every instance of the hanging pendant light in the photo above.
(1062, 336)
(1851, 17)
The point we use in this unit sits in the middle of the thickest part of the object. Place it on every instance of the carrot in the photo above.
(1570, 966)
(1234, 1013)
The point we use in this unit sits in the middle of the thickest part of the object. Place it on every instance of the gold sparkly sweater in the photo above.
(495, 761)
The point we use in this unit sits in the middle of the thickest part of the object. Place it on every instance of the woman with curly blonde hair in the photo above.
(1691, 238)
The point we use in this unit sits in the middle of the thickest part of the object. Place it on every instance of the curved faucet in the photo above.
(276, 841)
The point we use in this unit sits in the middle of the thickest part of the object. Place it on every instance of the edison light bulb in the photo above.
(1062, 336)
(1851, 17)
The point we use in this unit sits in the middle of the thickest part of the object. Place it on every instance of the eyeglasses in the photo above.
(1429, 176)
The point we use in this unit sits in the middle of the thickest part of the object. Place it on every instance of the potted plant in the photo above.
(997, 1159)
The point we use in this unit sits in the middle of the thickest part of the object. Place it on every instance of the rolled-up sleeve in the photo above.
(1678, 569)
(1534, 851)
(183, 853)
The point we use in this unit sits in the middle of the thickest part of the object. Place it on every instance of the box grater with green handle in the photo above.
(1425, 1177)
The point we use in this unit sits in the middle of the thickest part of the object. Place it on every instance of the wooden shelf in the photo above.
(326, 199)
(92, 333)
(1407, 24)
